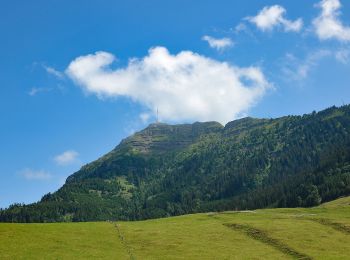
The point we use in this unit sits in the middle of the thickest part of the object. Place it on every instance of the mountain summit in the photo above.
(162, 138)
(167, 170)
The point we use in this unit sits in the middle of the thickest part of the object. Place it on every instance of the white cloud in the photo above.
(185, 86)
(273, 16)
(67, 157)
(54, 72)
(328, 25)
(343, 56)
(35, 175)
(34, 91)
(299, 69)
(241, 27)
(219, 44)
(145, 117)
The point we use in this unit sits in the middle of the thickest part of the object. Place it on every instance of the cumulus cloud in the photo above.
(30, 174)
(186, 86)
(328, 25)
(67, 157)
(271, 17)
(219, 44)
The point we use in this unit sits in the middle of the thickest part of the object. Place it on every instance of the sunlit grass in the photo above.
(317, 233)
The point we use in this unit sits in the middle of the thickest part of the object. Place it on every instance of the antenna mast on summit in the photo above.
(157, 120)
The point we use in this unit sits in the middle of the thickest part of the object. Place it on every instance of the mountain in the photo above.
(165, 170)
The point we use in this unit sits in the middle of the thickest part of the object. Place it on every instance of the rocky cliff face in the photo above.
(161, 138)
(132, 153)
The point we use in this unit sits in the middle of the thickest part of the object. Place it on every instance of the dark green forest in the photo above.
(166, 170)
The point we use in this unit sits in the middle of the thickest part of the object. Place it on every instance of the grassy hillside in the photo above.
(316, 233)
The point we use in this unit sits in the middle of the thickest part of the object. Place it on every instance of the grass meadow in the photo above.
(317, 233)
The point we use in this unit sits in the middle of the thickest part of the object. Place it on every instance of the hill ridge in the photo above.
(164, 170)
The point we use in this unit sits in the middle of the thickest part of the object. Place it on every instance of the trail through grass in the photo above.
(262, 236)
(124, 242)
(315, 233)
(337, 226)
(60, 241)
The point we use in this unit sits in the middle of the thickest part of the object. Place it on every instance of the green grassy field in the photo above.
(317, 233)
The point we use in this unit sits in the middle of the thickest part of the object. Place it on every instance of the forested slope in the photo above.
(163, 170)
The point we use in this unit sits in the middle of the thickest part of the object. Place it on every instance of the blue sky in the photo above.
(78, 76)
